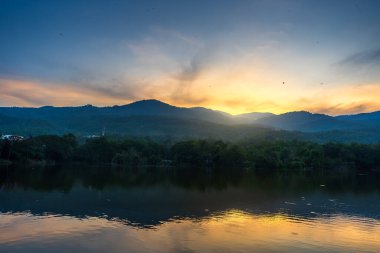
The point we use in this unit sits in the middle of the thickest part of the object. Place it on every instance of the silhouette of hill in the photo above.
(304, 121)
(157, 119)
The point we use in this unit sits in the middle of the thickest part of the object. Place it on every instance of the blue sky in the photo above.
(236, 56)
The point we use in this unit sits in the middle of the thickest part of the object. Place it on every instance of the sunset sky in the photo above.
(235, 56)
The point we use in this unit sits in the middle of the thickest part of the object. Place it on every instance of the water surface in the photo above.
(100, 209)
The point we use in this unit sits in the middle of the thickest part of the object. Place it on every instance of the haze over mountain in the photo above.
(154, 118)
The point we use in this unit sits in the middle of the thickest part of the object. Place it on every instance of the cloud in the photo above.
(187, 75)
(341, 100)
(345, 108)
(362, 58)
(173, 63)
(35, 93)
(190, 72)
(228, 75)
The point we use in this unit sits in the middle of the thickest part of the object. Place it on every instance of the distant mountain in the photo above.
(139, 108)
(157, 119)
(304, 121)
(142, 118)
(372, 118)
(252, 117)
(157, 108)
(310, 122)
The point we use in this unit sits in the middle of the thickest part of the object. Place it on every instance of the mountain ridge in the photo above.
(158, 102)
(153, 117)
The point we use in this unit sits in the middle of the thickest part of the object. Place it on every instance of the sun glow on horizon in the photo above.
(218, 94)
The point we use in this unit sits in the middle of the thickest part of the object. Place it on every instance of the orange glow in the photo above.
(32, 93)
(234, 230)
(235, 91)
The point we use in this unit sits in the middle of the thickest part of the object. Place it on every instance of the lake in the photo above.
(102, 209)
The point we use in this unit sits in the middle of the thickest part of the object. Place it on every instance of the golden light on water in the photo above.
(233, 229)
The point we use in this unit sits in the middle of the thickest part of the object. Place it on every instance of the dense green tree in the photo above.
(261, 155)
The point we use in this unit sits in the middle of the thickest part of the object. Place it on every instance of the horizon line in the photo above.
(183, 107)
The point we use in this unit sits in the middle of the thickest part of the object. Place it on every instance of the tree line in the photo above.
(258, 155)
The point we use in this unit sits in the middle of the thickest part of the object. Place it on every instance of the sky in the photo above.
(235, 56)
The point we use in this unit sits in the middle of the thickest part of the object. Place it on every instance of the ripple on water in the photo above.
(232, 229)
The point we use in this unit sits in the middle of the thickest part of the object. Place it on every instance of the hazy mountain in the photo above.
(304, 121)
(142, 118)
(157, 119)
(139, 108)
(364, 119)
(248, 118)
(310, 122)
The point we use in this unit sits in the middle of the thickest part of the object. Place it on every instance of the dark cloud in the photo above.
(191, 72)
(198, 63)
(185, 78)
(362, 58)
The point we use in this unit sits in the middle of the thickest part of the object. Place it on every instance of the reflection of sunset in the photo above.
(24, 226)
(234, 230)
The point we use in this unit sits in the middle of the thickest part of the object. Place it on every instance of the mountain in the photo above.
(304, 121)
(141, 118)
(252, 117)
(139, 108)
(371, 120)
(314, 122)
(157, 119)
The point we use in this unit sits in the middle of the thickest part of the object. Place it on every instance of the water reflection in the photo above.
(229, 231)
(72, 209)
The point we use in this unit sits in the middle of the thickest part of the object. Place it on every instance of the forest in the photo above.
(274, 155)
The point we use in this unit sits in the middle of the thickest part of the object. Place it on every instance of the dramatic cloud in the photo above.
(240, 57)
